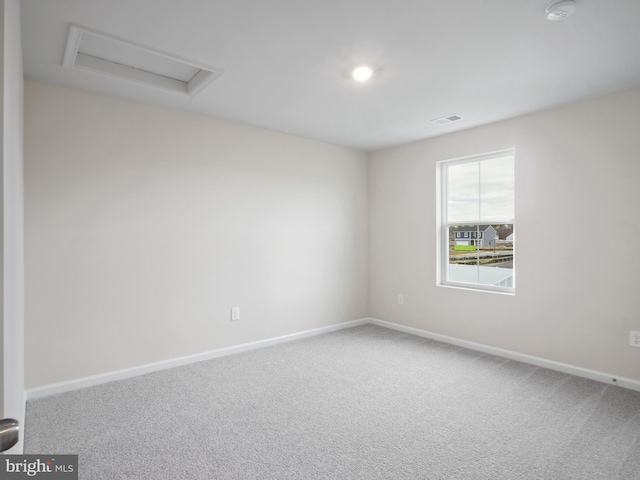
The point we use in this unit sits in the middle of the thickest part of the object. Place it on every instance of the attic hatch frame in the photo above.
(74, 58)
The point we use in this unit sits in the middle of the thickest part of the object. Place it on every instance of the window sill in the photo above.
(474, 289)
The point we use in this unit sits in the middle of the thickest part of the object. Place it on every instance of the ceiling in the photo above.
(287, 63)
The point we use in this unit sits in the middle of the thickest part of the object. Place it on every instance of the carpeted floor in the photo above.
(360, 403)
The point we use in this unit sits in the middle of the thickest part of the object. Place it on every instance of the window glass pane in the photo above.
(463, 258)
(497, 189)
(463, 187)
(485, 262)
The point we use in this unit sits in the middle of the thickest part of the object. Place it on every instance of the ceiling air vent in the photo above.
(448, 119)
(114, 57)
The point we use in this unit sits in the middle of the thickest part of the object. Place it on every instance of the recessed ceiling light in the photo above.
(561, 9)
(362, 74)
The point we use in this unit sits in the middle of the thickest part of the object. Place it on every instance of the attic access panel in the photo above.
(118, 58)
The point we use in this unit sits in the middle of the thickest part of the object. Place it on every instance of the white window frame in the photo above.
(442, 226)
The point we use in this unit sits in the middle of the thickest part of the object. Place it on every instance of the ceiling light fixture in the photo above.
(362, 74)
(559, 10)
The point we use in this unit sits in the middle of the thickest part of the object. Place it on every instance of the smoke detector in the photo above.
(560, 10)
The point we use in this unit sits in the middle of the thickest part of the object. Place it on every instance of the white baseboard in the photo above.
(511, 355)
(61, 387)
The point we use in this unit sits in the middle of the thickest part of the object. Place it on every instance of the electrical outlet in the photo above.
(634, 340)
(400, 299)
(235, 313)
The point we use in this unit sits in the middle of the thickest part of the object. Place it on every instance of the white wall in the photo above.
(12, 216)
(577, 261)
(144, 226)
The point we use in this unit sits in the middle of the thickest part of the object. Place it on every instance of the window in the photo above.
(476, 200)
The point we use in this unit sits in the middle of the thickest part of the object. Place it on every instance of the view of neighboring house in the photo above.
(477, 236)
